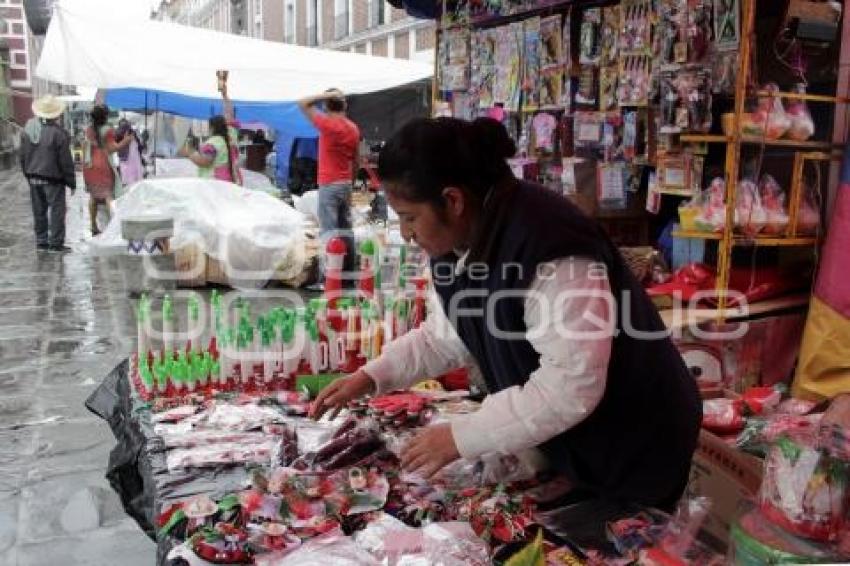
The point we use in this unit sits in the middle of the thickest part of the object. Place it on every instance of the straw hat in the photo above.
(48, 107)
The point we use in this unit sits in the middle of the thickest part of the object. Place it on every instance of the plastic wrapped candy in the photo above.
(723, 416)
(804, 490)
(777, 121)
(750, 216)
(712, 208)
(332, 548)
(773, 200)
(802, 126)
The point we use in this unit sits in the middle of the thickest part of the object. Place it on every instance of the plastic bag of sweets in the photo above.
(804, 490)
(750, 216)
(773, 200)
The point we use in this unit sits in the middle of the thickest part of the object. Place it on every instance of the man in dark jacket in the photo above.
(48, 165)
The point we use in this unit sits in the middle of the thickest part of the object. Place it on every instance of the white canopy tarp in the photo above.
(90, 50)
(253, 234)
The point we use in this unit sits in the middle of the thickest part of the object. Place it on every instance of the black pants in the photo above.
(48, 201)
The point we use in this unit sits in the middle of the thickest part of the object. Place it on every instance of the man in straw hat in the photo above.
(47, 164)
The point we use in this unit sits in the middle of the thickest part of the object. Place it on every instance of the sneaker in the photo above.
(42, 247)
(60, 249)
(315, 287)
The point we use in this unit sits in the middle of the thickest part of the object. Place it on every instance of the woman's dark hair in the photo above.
(218, 127)
(99, 117)
(429, 154)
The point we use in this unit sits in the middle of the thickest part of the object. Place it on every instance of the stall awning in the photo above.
(179, 62)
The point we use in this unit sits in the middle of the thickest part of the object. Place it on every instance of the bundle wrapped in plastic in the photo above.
(712, 209)
(802, 126)
(808, 218)
(805, 490)
(777, 122)
(750, 216)
(773, 200)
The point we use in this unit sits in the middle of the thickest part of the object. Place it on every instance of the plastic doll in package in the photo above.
(636, 28)
(551, 88)
(669, 103)
(773, 200)
(699, 30)
(531, 68)
(698, 95)
(551, 43)
(483, 77)
(507, 88)
(544, 126)
(610, 36)
(590, 41)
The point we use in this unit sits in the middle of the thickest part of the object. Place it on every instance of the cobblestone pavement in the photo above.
(64, 323)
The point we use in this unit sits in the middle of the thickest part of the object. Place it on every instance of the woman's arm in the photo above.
(570, 319)
(428, 351)
(227, 105)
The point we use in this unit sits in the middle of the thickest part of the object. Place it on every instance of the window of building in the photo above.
(4, 27)
(258, 7)
(289, 23)
(20, 58)
(340, 19)
(18, 29)
(377, 13)
(312, 23)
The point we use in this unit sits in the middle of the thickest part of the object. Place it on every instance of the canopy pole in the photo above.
(146, 125)
(155, 130)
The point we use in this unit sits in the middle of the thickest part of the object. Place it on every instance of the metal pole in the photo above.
(155, 130)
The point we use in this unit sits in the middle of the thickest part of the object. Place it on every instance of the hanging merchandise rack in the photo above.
(653, 76)
(803, 151)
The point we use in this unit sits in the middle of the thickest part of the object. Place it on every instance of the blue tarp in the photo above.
(284, 117)
(281, 116)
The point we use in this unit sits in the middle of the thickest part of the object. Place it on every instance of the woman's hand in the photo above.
(183, 151)
(430, 451)
(337, 395)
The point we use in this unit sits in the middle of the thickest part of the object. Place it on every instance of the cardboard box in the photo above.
(725, 475)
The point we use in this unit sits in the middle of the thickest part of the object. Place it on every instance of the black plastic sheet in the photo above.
(129, 471)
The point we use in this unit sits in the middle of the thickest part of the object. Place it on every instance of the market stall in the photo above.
(641, 116)
(706, 131)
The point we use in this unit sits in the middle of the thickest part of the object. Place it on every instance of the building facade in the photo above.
(361, 26)
(14, 32)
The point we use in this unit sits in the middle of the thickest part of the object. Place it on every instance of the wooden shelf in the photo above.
(677, 192)
(678, 318)
(750, 140)
(746, 241)
(697, 235)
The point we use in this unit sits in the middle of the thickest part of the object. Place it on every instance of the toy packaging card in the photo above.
(531, 82)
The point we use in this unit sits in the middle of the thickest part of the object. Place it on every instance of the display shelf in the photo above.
(752, 140)
(678, 318)
(739, 240)
(677, 192)
(695, 235)
(805, 96)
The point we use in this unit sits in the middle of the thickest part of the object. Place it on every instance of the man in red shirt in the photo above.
(339, 142)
